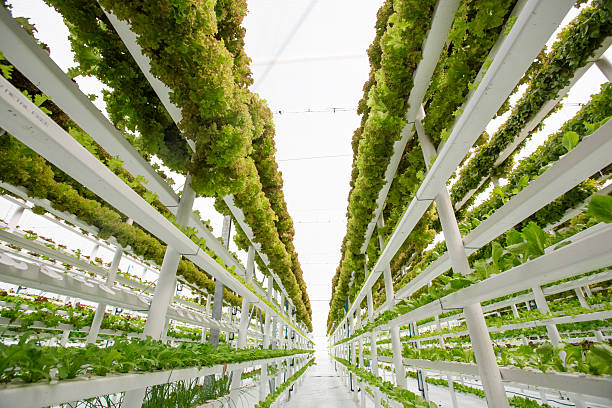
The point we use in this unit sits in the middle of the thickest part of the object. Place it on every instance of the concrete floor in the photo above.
(321, 387)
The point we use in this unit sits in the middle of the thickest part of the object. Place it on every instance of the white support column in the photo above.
(217, 308)
(389, 291)
(453, 394)
(581, 298)
(439, 327)
(242, 339)
(605, 67)
(166, 285)
(516, 315)
(515, 312)
(400, 370)
(551, 329)
(267, 325)
(16, 217)
(474, 317)
(373, 346)
(164, 291)
(64, 338)
(587, 290)
(94, 330)
(208, 303)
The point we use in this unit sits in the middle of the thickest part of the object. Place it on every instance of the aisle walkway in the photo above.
(322, 387)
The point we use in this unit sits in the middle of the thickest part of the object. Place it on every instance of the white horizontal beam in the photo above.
(533, 27)
(591, 155)
(585, 317)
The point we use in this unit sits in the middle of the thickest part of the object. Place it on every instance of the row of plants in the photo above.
(586, 358)
(26, 310)
(477, 25)
(515, 401)
(587, 120)
(218, 111)
(401, 30)
(28, 362)
(583, 36)
(26, 168)
(525, 316)
(270, 398)
(520, 247)
(407, 398)
(476, 28)
(185, 393)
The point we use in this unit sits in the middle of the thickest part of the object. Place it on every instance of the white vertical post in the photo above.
(389, 291)
(267, 328)
(515, 312)
(605, 67)
(217, 308)
(439, 327)
(94, 330)
(16, 217)
(581, 298)
(400, 371)
(166, 285)
(373, 345)
(164, 291)
(551, 329)
(477, 327)
(242, 339)
(451, 388)
(208, 303)
(263, 382)
(64, 338)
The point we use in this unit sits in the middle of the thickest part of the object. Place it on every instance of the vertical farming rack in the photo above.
(500, 301)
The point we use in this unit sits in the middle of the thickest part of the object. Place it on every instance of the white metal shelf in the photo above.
(585, 255)
(94, 231)
(45, 278)
(597, 386)
(585, 317)
(29, 245)
(44, 394)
